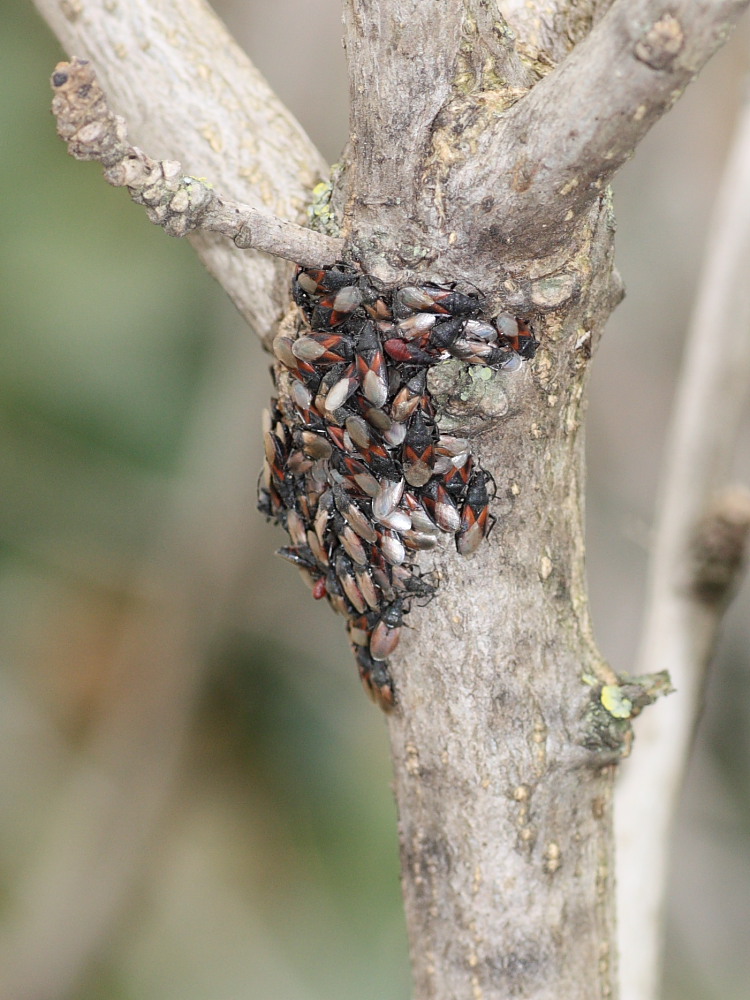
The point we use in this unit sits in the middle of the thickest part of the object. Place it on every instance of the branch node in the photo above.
(244, 238)
(661, 43)
(718, 551)
(608, 718)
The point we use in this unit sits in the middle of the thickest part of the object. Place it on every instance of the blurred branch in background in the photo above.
(700, 540)
(99, 825)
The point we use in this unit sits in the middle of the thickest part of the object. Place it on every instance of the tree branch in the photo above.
(530, 179)
(189, 93)
(177, 203)
(701, 535)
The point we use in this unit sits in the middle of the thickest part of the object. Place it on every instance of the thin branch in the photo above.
(531, 177)
(174, 201)
(700, 539)
(719, 548)
(189, 93)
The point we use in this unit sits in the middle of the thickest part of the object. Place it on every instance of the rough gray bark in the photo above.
(472, 158)
(503, 755)
(505, 809)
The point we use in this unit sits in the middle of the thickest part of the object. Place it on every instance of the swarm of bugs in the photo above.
(356, 468)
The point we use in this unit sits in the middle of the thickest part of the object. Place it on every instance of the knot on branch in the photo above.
(608, 718)
(661, 43)
(173, 201)
(719, 548)
(84, 119)
(468, 396)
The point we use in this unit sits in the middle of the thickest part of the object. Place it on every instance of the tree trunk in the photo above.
(504, 777)
(503, 749)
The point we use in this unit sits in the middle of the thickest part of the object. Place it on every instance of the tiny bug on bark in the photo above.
(440, 506)
(418, 454)
(376, 678)
(409, 397)
(475, 514)
(386, 634)
(323, 348)
(371, 366)
(407, 352)
(445, 334)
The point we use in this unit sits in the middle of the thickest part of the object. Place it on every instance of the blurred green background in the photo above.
(195, 791)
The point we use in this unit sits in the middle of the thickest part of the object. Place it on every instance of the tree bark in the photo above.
(473, 159)
(503, 780)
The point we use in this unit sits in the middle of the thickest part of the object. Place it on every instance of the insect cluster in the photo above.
(356, 469)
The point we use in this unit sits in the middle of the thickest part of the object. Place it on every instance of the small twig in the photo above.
(180, 204)
(189, 93)
(699, 554)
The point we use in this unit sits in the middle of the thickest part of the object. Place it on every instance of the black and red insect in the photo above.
(476, 520)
